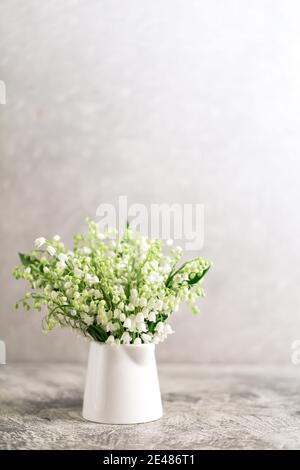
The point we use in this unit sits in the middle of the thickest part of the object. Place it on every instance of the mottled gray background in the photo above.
(163, 101)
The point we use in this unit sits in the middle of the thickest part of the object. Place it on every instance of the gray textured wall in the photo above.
(164, 101)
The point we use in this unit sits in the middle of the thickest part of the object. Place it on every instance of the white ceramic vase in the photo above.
(122, 384)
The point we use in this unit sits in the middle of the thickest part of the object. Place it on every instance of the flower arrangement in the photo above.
(118, 291)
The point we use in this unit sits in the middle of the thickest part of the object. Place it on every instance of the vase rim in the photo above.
(137, 346)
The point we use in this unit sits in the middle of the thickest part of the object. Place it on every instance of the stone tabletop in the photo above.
(204, 408)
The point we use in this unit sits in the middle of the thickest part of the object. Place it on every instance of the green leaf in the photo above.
(198, 277)
(28, 260)
(25, 259)
(173, 273)
(151, 326)
(97, 333)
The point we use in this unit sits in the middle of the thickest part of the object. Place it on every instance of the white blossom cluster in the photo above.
(118, 291)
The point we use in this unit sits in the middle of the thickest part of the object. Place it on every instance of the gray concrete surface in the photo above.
(204, 408)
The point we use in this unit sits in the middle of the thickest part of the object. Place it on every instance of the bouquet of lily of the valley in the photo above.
(114, 290)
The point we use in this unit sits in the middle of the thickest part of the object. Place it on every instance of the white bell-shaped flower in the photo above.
(39, 242)
(127, 323)
(146, 338)
(125, 338)
(110, 340)
(160, 327)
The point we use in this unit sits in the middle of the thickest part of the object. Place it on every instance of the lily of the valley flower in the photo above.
(160, 327)
(125, 338)
(51, 250)
(146, 338)
(62, 257)
(40, 242)
(127, 323)
(110, 339)
(118, 292)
